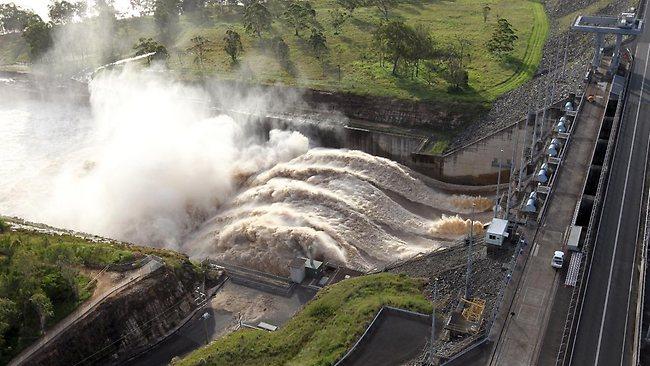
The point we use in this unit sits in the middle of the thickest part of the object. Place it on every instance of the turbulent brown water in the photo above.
(147, 161)
(335, 202)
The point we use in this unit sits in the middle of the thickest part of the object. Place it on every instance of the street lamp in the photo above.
(433, 317)
(205, 318)
(469, 252)
(496, 205)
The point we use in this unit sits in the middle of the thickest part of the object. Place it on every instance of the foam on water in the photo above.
(143, 162)
(336, 202)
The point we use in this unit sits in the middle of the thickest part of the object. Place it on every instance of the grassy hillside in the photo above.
(323, 331)
(41, 281)
(360, 70)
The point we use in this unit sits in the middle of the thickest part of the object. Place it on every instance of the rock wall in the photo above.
(299, 102)
(388, 145)
(125, 324)
(402, 113)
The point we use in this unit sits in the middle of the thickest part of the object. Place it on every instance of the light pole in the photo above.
(512, 171)
(205, 318)
(433, 317)
(496, 205)
(469, 253)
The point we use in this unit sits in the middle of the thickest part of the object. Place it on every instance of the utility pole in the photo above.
(434, 296)
(523, 152)
(205, 318)
(496, 205)
(512, 170)
(469, 253)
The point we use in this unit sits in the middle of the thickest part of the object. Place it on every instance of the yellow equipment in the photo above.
(474, 311)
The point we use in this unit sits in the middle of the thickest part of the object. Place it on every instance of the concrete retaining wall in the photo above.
(363, 347)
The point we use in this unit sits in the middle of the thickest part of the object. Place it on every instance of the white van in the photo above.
(558, 259)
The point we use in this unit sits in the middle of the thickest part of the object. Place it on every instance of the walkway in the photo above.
(526, 321)
(62, 326)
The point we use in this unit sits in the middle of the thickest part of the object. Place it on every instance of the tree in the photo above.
(385, 6)
(8, 313)
(318, 42)
(300, 15)
(486, 12)
(282, 53)
(257, 18)
(165, 15)
(200, 45)
(421, 46)
(43, 307)
(395, 40)
(350, 5)
(105, 13)
(13, 18)
(63, 12)
(38, 37)
(455, 72)
(337, 19)
(276, 7)
(431, 71)
(233, 46)
(149, 45)
(503, 39)
(143, 7)
(192, 5)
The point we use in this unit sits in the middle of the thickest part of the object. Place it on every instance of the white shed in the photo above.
(497, 232)
(297, 270)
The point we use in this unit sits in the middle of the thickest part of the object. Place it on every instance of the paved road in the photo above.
(525, 320)
(605, 332)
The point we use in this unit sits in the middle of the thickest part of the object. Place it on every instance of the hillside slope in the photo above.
(350, 64)
(46, 274)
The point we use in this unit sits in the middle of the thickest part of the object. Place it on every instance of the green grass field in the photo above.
(323, 331)
(360, 70)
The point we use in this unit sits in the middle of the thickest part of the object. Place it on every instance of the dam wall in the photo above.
(476, 163)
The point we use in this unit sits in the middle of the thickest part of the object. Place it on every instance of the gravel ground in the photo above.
(449, 267)
(514, 105)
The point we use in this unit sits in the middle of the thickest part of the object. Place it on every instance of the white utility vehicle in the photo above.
(558, 259)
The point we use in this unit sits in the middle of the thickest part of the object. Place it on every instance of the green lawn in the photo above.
(323, 331)
(361, 72)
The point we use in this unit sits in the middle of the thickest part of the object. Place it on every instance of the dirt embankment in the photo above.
(126, 323)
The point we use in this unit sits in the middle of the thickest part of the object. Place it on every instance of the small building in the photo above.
(297, 270)
(313, 267)
(300, 268)
(497, 232)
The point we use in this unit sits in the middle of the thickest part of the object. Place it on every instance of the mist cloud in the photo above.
(154, 161)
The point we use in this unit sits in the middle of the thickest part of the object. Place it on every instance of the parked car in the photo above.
(558, 259)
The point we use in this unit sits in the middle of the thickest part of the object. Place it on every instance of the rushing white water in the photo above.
(144, 162)
(349, 207)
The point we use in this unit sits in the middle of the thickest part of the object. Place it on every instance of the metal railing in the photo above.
(577, 296)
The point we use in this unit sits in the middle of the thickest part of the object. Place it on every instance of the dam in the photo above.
(146, 160)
